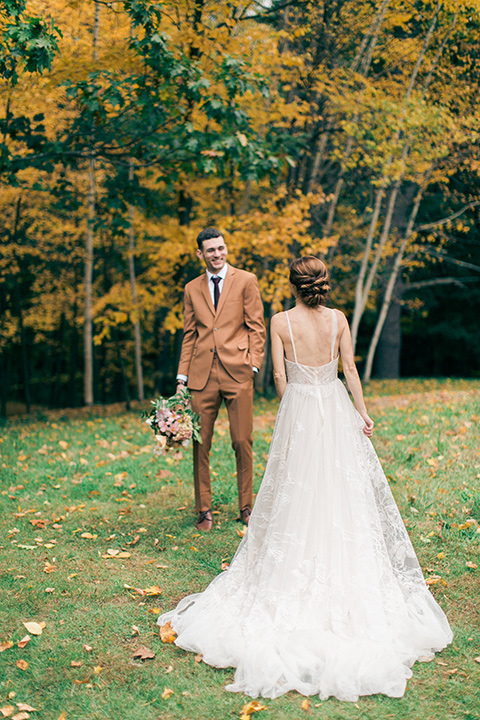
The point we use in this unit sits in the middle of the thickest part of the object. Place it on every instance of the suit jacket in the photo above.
(236, 330)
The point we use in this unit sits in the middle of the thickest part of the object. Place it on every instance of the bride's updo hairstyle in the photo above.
(309, 276)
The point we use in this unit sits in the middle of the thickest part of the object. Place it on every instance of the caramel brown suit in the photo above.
(219, 350)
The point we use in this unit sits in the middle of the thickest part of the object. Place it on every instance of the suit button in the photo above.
(211, 349)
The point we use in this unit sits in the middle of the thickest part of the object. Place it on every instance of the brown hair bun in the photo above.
(309, 276)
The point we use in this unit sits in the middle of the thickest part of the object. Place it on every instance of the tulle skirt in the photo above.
(325, 594)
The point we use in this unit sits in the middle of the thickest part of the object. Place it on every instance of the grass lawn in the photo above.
(86, 510)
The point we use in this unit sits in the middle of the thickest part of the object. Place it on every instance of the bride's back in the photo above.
(312, 334)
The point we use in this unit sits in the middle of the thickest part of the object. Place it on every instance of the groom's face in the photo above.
(214, 253)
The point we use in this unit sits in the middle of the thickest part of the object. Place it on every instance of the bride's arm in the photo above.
(279, 375)
(352, 377)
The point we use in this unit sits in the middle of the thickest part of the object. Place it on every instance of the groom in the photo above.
(222, 349)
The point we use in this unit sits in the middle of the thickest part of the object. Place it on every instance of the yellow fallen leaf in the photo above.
(471, 565)
(166, 693)
(7, 710)
(167, 633)
(252, 707)
(122, 555)
(22, 664)
(241, 532)
(33, 628)
(63, 716)
(98, 669)
(6, 645)
(21, 716)
(21, 643)
(27, 708)
(440, 556)
(76, 663)
(305, 704)
(88, 536)
(49, 568)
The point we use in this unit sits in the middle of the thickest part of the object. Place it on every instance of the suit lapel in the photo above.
(227, 284)
(206, 293)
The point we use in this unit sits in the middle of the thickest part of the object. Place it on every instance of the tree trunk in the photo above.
(88, 314)
(387, 358)
(133, 284)
(392, 282)
(364, 281)
(121, 364)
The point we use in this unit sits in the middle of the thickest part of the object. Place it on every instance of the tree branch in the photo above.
(438, 223)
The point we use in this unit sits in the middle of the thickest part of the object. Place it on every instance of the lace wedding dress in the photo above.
(325, 594)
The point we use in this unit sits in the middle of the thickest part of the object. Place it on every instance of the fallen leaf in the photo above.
(63, 716)
(451, 672)
(123, 555)
(134, 541)
(135, 630)
(241, 532)
(471, 565)
(477, 659)
(33, 628)
(82, 682)
(88, 648)
(98, 669)
(198, 658)
(22, 664)
(225, 565)
(49, 590)
(305, 704)
(21, 643)
(6, 645)
(20, 716)
(88, 536)
(167, 633)
(252, 707)
(166, 693)
(24, 706)
(76, 663)
(49, 568)
(149, 591)
(143, 653)
(7, 710)
(169, 669)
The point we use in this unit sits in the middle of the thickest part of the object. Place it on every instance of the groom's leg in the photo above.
(239, 402)
(206, 402)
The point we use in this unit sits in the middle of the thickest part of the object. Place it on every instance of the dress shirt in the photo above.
(222, 275)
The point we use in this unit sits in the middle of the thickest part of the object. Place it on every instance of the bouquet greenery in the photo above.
(173, 422)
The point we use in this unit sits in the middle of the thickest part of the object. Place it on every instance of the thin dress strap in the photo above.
(291, 338)
(333, 331)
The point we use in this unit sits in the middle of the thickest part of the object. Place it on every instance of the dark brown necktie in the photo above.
(216, 290)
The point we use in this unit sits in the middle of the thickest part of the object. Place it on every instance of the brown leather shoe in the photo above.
(205, 520)
(245, 514)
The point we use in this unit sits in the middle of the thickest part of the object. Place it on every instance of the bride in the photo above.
(325, 594)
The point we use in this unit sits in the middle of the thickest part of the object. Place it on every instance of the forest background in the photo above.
(347, 129)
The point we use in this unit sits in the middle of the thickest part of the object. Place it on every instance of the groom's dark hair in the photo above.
(207, 234)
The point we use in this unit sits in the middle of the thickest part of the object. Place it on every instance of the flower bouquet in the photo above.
(173, 422)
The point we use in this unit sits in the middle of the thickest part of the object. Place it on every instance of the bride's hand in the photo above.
(368, 429)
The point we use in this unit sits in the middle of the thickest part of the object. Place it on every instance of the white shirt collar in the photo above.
(222, 274)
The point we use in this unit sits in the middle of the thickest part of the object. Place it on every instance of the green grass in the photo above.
(66, 473)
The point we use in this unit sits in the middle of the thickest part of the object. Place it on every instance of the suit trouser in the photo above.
(238, 397)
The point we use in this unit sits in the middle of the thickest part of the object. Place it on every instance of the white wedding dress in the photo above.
(325, 594)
